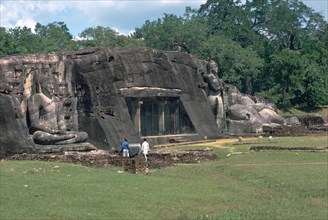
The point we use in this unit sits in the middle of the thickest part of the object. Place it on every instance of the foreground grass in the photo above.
(247, 185)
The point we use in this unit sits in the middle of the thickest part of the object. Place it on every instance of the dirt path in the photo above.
(220, 142)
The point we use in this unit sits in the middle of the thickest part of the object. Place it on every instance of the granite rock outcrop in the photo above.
(113, 93)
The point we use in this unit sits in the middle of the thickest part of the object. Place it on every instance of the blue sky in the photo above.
(121, 15)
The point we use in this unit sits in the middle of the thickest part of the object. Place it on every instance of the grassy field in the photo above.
(296, 112)
(240, 185)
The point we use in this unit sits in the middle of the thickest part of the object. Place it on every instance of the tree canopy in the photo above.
(275, 49)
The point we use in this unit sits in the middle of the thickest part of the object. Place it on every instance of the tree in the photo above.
(195, 32)
(237, 65)
(98, 36)
(106, 37)
(228, 17)
(199, 35)
(315, 53)
(276, 49)
(54, 37)
(163, 34)
(286, 75)
(20, 41)
(290, 78)
(315, 87)
(285, 23)
(6, 43)
(175, 33)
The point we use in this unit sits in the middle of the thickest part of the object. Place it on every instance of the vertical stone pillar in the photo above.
(75, 120)
(161, 117)
(137, 116)
(177, 124)
(220, 117)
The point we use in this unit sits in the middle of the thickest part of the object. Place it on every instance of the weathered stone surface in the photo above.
(312, 120)
(94, 84)
(64, 147)
(293, 121)
(270, 116)
(296, 130)
(14, 137)
(96, 87)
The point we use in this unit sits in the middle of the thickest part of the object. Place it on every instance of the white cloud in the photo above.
(78, 15)
(28, 22)
(25, 13)
(124, 15)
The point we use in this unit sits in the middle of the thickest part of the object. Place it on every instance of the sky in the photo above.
(122, 15)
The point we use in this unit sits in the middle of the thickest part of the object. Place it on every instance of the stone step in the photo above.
(177, 140)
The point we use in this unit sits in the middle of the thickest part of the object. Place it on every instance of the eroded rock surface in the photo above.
(110, 94)
(94, 85)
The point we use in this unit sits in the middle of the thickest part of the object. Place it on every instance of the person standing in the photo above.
(145, 148)
(125, 148)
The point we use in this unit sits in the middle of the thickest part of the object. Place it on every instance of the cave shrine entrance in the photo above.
(152, 116)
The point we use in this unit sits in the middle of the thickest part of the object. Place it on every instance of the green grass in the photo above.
(301, 141)
(299, 112)
(251, 185)
(244, 146)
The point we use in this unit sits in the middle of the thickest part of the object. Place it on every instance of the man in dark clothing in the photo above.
(125, 148)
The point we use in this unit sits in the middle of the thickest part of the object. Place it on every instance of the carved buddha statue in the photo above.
(215, 93)
(45, 112)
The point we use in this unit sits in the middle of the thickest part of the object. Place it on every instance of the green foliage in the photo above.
(6, 42)
(54, 37)
(290, 25)
(295, 80)
(173, 33)
(19, 40)
(229, 18)
(237, 65)
(106, 37)
(275, 49)
(98, 36)
(287, 71)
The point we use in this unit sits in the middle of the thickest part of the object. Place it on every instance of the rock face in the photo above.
(112, 94)
(14, 137)
(101, 90)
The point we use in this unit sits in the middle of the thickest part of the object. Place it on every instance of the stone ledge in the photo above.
(279, 148)
(101, 158)
(64, 147)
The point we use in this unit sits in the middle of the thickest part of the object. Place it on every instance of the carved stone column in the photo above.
(161, 118)
(136, 115)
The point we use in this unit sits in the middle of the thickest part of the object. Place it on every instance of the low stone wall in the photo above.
(312, 120)
(308, 149)
(132, 165)
(299, 130)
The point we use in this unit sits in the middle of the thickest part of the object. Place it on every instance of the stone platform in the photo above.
(63, 148)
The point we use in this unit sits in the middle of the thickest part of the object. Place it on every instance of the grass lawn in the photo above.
(242, 185)
(297, 112)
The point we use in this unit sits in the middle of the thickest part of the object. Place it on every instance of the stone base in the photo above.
(269, 128)
(243, 126)
(64, 147)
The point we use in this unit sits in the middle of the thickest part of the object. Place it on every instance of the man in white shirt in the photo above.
(145, 148)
